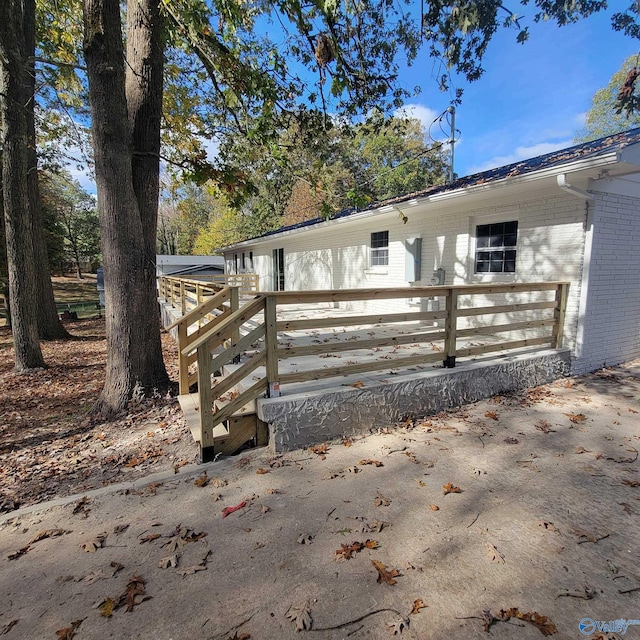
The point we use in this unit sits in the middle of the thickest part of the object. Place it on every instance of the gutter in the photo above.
(569, 188)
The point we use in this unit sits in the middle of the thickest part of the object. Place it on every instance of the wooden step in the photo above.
(228, 437)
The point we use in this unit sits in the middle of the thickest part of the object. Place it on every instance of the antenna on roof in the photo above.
(452, 138)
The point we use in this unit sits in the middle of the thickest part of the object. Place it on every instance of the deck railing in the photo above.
(513, 316)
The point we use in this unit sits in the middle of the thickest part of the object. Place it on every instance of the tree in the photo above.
(605, 117)
(126, 111)
(15, 82)
(73, 219)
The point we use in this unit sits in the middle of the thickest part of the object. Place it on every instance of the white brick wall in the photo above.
(612, 313)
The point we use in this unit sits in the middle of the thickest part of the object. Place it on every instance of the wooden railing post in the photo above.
(183, 360)
(234, 305)
(206, 405)
(559, 312)
(451, 323)
(183, 298)
(271, 346)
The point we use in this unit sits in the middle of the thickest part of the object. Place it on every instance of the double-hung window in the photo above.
(496, 247)
(379, 249)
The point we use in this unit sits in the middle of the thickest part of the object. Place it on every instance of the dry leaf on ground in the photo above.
(491, 414)
(381, 501)
(227, 510)
(399, 626)
(417, 605)
(202, 480)
(434, 507)
(385, 575)
(48, 533)
(69, 632)
(494, 554)
(135, 589)
(150, 538)
(576, 417)
(168, 561)
(92, 545)
(262, 471)
(375, 463)
(301, 615)
(202, 566)
(450, 488)
(7, 627)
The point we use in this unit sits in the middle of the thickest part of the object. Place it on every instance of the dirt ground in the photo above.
(516, 517)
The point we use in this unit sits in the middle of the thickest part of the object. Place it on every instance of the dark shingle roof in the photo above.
(548, 160)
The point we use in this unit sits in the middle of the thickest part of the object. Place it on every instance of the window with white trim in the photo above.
(379, 256)
(496, 247)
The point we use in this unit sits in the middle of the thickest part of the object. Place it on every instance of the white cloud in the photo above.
(418, 111)
(521, 153)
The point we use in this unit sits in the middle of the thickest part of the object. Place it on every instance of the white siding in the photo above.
(612, 313)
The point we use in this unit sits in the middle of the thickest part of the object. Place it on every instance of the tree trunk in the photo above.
(49, 325)
(14, 141)
(144, 92)
(133, 338)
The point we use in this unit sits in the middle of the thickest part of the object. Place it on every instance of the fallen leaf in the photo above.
(168, 561)
(358, 385)
(107, 607)
(68, 632)
(92, 545)
(450, 488)
(580, 450)
(384, 574)
(576, 417)
(262, 471)
(305, 538)
(494, 554)
(81, 507)
(202, 566)
(120, 528)
(381, 501)
(202, 480)
(434, 507)
(549, 526)
(135, 588)
(48, 533)
(94, 576)
(491, 414)
(511, 440)
(631, 483)
(348, 551)
(150, 538)
(543, 623)
(347, 442)
(227, 510)
(320, 450)
(417, 605)
(265, 509)
(399, 626)
(243, 636)
(218, 483)
(116, 567)
(375, 463)
(301, 615)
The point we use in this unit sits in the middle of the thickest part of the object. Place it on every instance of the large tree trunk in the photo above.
(49, 325)
(144, 91)
(133, 338)
(14, 141)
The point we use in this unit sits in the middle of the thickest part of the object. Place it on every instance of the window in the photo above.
(496, 247)
(379, 248)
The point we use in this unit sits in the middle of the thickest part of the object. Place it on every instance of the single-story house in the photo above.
(572, 215)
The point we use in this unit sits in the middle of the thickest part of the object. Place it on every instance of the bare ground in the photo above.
(516, 517)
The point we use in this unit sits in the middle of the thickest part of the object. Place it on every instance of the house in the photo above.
(572, 215)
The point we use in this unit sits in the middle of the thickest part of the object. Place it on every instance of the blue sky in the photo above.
(533, 97)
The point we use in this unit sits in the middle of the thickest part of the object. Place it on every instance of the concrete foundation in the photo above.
(304, 419)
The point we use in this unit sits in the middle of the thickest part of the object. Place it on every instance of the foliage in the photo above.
(603, 118)
(71, 220)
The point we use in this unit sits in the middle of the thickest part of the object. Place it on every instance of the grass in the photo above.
(71, 294)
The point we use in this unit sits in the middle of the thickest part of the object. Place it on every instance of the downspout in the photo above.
(586, 261)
